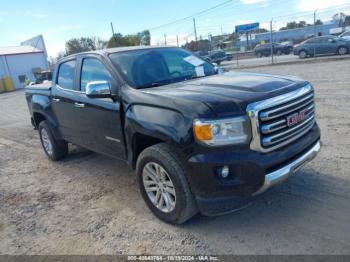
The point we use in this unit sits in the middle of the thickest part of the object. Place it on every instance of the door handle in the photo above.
(56, 100)
(79, 105)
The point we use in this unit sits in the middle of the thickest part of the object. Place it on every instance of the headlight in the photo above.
(221, 132)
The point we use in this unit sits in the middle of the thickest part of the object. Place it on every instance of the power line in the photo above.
(283, 15)
(203, 29)
(191, 16)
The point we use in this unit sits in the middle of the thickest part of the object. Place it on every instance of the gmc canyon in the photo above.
(200, 140)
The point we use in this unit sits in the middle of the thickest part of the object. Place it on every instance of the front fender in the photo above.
(160, 123)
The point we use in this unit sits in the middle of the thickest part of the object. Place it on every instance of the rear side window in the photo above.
(311, 41)
(93, 70)
(66, 74)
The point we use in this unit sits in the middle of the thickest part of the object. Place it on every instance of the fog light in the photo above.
(224, 172)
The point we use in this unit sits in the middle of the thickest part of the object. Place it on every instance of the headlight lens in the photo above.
(221, 132)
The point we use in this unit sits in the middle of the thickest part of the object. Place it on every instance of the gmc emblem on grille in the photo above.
(296, 118)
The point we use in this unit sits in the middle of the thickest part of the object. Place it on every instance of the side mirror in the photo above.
(98, 89)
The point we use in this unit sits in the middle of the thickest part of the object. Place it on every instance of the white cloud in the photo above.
(248, 2)
(311, 5)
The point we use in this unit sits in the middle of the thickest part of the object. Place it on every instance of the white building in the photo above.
(21, 62)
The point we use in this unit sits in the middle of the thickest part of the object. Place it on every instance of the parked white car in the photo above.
(345, 35)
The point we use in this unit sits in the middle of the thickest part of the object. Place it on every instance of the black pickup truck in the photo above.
(200, 140)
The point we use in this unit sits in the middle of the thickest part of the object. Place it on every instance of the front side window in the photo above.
(93, 70)
(159, 66)
(324, 40)
(66, 75)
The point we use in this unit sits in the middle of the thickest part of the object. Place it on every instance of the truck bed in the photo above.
(39, 89)
(45, 86)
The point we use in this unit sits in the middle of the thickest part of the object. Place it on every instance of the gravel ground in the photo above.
(89, 204)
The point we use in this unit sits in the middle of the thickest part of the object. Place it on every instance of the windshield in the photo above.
(159, 66)
(345, 34)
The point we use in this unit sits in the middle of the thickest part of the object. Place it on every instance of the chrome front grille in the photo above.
(270, 129)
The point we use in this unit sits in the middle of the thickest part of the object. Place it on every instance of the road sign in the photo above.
(247, 27)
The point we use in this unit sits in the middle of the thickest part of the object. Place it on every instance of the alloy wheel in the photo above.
(302, 54)
(159, 187)
(342, 51)
(46, 141)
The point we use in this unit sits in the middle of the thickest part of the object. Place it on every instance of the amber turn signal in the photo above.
(203, 132)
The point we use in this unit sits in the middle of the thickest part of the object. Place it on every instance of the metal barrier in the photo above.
(6, 84)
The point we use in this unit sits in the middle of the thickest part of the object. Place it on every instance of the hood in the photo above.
(229, 93)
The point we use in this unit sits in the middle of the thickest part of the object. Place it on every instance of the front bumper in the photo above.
(283, 173)
(252, 173)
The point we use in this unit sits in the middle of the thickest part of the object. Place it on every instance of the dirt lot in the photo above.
(89, 204)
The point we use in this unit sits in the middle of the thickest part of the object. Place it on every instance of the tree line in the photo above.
(84, 44)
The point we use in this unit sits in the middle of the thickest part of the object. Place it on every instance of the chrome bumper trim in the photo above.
(283, 173)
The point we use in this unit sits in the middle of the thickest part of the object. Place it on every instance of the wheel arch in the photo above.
(37, 118)
(41, 110)
(146, 126)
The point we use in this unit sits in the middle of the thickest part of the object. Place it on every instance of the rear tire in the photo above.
(54, 149)
(162, 158)
(342, 50)
(259, 54)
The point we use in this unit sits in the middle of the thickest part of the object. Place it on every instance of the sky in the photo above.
(59, 21)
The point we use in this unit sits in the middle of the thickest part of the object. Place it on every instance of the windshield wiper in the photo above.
(155, 84)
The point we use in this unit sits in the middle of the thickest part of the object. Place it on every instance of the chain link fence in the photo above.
(308, 37)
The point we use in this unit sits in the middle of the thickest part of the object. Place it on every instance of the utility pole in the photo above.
(209, 39)
(247, 39)
(177, 40)
(271, 41)
(164, 39)
(195, 29)
(315, 32)
(112, 29)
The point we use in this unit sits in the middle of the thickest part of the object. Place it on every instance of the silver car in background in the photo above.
(345, 35)
(323, 45)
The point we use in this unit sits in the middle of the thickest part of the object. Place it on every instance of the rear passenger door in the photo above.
(63, 98)
(98, 119)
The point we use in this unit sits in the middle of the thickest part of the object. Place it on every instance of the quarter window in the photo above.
(93, 70)
(66, 75)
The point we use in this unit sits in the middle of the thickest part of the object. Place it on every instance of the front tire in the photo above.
(302, 54)
(54, 149)
(163, 184)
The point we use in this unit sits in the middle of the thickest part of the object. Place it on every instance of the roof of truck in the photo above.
(118, 49)
(130, 48)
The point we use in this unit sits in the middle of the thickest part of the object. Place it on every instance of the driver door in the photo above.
(99, 121)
